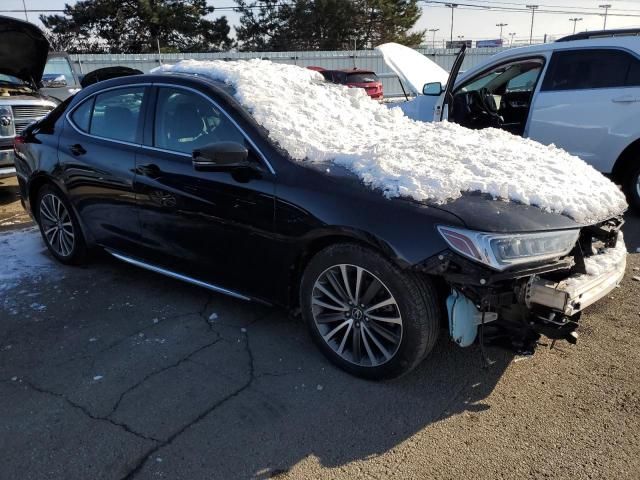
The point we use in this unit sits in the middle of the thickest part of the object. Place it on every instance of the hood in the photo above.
(483, 213)
(413, 68)
(23, 50)
(107, 73)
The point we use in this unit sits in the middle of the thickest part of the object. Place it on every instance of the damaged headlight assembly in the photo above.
(501, 251)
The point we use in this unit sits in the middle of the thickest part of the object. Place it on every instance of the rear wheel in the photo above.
(59, 226)
(367, 316)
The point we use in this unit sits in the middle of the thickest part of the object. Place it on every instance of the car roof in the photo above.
(627, 42)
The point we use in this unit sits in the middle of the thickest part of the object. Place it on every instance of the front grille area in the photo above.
(23, 115)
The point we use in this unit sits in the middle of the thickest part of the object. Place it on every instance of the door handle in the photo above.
(150, 170)
(626, 99)
(77, 149)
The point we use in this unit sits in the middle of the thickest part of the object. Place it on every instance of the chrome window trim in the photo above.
(87, 134)
(149, 147)
(177, 276)
(217, 105)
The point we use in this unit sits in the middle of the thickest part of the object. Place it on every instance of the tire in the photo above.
(59, 226)
(350, 335)
(633, 188)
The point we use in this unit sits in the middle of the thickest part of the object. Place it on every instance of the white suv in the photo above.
(581, 93)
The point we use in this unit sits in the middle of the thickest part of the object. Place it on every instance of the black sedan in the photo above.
(170, 173)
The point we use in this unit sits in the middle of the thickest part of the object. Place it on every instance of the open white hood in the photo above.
(413, 68)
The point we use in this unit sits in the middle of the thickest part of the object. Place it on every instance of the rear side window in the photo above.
(81, 116)
(367, 77)
(586, 69)
(116, 114)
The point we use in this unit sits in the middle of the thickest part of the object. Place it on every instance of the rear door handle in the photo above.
(77, 149)
(626, 99)
(150, 170)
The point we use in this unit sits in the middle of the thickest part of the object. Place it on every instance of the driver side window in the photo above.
(185, 121)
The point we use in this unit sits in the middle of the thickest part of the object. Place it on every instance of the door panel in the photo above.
(216, 226)
(588, 104)
(99, 173)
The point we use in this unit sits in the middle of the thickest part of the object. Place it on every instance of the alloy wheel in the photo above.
(57, 225)
(356, 315)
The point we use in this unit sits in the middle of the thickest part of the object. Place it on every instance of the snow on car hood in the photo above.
(413, 68)
(314, 120)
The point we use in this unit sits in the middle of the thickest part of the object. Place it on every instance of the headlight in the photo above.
(6, 122)
(501, 251)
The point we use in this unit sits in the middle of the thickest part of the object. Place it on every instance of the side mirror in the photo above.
(433, 89)
(221, 156)
(54, 81)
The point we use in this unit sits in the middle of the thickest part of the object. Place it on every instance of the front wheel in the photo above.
(367, 316)
(59, 227)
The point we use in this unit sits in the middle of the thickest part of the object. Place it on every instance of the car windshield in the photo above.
(10, 79)
(57, 66)
(360, 77)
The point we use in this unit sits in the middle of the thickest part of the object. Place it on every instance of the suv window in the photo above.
(116, 114)
(596, 68)
(185, 121)
(361, 77)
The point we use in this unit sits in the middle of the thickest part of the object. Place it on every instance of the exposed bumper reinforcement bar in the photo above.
(576, 293)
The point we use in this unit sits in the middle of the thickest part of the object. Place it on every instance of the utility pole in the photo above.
(512, 34)
(501, 25)
(24, 5)
(606, 10)
(434, 30)
(533, 9)
(451, 6)
(575, 20)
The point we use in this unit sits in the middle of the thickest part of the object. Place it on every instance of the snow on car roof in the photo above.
(314, 120)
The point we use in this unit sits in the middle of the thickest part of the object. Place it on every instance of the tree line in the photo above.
(146, 26)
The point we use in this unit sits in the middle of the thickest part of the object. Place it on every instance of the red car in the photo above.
(354, 78)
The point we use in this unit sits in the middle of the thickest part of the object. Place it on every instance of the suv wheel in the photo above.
(59, 226)
(367, 316)
(633, 188)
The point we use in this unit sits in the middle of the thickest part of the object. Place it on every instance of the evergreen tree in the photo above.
(138, 26)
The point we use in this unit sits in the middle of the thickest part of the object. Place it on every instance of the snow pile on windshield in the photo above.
(314, 120)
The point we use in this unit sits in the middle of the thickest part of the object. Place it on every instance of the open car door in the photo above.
(443, 107)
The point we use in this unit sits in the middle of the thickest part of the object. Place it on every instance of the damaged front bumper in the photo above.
(537, 300)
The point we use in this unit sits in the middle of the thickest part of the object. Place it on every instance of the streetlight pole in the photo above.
(606, 10)
(512, 34)
(575, 20)
(501, 25)
(451, 6)
(533, 13)
(434, 30)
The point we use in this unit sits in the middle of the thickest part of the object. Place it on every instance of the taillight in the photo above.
(18, 140)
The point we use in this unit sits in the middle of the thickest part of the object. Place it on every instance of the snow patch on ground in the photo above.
(314, 120)
(24, 255)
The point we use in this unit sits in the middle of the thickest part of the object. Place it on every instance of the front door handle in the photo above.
(626, 99)
(150, 170)
(77, 149)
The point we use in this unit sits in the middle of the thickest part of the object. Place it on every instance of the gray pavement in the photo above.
(108, 371)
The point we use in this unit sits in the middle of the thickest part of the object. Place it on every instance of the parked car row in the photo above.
(33, 81)
(320, 207)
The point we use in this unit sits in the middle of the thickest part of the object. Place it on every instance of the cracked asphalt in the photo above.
(111, 372)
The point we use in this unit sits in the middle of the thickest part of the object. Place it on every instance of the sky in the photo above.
(470, 23)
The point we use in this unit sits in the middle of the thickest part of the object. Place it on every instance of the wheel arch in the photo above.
(40, 180)
(626, 160)
(326, 238)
